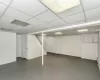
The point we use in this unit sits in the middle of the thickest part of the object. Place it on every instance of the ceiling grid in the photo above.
(81, 3)
(37, 10)
(6, 8)
(52, 11)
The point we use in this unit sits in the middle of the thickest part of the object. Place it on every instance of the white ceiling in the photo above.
(41, 18)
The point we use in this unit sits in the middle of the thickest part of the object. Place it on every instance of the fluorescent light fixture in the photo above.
(60, 5)
(82, 30)
(58, 33)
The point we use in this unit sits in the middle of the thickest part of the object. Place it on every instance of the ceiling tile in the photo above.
(31, 7)
(90, 4)
(5, 22)
(29, 26)
(5, 1)
(30, 30)
(16, 14)
(2, 8)
(74, 18)
(6, 19)
(94, 13)
(71, 11)
(40, 27)
(19, 30)
(58, 23)
(76, 23)
(93, 19)
(11, 27)
(35, 21)
(45, 25)
(47, 16)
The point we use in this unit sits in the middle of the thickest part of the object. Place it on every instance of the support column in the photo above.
(42, 48)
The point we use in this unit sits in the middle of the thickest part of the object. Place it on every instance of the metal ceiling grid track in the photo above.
(53, 12)
(81, 3)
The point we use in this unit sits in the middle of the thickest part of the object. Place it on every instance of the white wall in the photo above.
(7, 47)
(44, 43)
(90, 46)
(89, 51)
(68, 45)
(84, 46)
(34, 47)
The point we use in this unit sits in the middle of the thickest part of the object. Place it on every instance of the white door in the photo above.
(18, 45)
(21, 45)
(24, 46)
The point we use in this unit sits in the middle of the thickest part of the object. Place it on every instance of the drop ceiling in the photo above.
(41, 17)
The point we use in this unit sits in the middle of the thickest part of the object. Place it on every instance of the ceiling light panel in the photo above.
(2, 8)
(74, 10)
(94, 13)
(90, 4)
(58, 33)
(74, 18)
(35, 21)
(31, 7)
(82, 30)
(58, 23)
(47, 16)
(60, 5)
(13, 13)
(5, 1)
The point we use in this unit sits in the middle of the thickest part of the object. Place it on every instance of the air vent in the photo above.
(20, 23)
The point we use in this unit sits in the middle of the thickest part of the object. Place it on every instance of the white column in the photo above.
(42, 49)
(99, 51)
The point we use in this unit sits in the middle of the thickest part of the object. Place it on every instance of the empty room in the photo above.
(49, 39)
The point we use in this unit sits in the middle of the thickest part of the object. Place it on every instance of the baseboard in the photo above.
(35, 57)
(8, 63)
(62, 54)
(21, 58)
